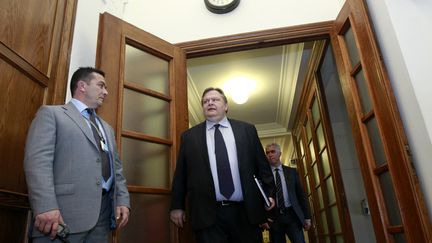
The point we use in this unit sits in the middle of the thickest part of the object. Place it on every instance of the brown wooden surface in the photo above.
(257, 39)
(114, 35)
(34, 56)
(415, 223)
(312, 94)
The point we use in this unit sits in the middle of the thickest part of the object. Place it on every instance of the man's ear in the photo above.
(81, 86)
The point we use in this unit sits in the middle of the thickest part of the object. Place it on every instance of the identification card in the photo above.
(104, 146)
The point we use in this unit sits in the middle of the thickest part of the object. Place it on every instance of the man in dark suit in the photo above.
(219, 215)
(291, 213)
(73, 172)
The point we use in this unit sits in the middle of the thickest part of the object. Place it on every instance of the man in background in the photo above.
(215, 167)
(73, 172)
(291, 214)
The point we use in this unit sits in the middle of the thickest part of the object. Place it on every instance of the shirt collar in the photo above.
(79, 105)
(224, 123)
(277, 167)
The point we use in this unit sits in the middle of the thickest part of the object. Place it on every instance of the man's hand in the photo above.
(272, 204)
(267, 224)
(178, 217)
(122, 216)
(307, 224)
(264, 226)
(48, 222)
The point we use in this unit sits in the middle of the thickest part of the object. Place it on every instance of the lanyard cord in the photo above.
(97, 128)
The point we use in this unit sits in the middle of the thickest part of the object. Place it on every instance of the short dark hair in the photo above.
(220, 91)
(84, 74)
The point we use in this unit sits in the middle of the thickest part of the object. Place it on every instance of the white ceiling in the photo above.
(278, 72)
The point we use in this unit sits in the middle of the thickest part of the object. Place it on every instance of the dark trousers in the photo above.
(286, 223)
(231, 226)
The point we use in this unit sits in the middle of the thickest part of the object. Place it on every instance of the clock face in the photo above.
(221, 6)
(220, 2)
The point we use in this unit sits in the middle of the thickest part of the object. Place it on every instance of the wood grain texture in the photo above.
(34, 57)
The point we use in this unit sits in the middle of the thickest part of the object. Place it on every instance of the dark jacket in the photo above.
(193, 176)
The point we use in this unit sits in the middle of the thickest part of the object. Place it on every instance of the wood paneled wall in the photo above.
(35, 41)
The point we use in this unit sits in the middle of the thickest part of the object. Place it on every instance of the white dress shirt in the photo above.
(228, 135)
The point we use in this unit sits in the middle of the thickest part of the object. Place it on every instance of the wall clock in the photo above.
(221, 6)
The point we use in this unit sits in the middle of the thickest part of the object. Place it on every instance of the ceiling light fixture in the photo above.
(240, 89)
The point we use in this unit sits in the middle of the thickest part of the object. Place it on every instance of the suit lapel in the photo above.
(201, 140)
(238, 136)
(71, 111)
(288, 179)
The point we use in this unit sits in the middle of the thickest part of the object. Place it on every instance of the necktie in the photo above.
(226, 184)
(279, 191)
(106, 172)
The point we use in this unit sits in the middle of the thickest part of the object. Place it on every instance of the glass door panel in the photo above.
(146, 143)
(145, 114)
(370, 131)
(362, 88)
(146, 70)
(376, 144)
(145, 164)
(150, 213)
(390, 199)
(146, 76)
(319, 165)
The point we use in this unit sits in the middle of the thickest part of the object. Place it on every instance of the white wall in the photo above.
(402, 29)
(86, 30)
(187, 20)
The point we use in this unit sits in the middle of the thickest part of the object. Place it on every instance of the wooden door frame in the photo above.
(324, 30)
(257, 39)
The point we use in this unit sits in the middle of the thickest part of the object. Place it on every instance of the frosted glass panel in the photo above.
(145, 164)
(308, 131)
(315, 112)
(305, 165)
(316, 174)
(325, 163)
(352, 48)
(312, 151)
(150, 222)
(363, 91)
(336, 223)
(376, 143)
(147, 70)
(320, 136)
(324, 222)
(320, 198)
(308, 185)
(301, 147)
(399, 238)
(390, 199)
(145, 114)
(330, 190)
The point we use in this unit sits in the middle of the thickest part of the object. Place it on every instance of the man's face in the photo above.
(95, 91)
(214, 106)
(273, 155)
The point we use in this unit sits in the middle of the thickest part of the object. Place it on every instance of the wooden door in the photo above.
(34, 56)
(396, 203)
(318, 164)
(147, 106)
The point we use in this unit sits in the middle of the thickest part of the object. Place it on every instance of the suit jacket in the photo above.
(63, 167)
(296, 194)
(193, 176)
